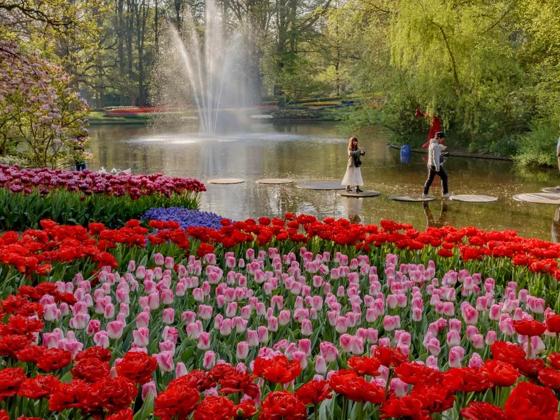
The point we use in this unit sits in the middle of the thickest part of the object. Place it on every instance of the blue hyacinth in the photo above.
(185, 217)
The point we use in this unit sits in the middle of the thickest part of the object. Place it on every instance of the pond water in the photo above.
(317, 151)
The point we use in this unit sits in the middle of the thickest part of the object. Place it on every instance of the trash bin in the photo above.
(405, 153)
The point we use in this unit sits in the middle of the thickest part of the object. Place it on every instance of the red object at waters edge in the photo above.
(435, 126)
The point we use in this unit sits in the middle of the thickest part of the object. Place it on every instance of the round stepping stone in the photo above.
(321, 185)
(555, 190)
(363, 194)
(474, 198)
(275, 181)
(412, 199)
(539, 198)
(226, 181)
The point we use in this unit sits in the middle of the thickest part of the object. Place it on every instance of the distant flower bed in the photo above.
(45, 180)
(29, 195)
(185, 217)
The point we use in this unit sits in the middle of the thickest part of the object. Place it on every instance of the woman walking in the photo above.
(435, 164)
(353, 175)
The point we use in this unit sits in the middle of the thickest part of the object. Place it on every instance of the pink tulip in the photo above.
(101, 339)
(226, 327)
(209, 360)
(153, 301)
(477, 341)
(140, 272)
(79, 321)
(169, 262)
(306, 327)
(51, 312)
(301, 357)
(165, 361)
(180, 370)
(180, 288)
(167, 296)
(115, 329)
(345, 341)
(167, 346)
(143, 320)
(159, 259)
(433, 346)
(456, 355)
(194, 329)
(320, 365)
(242, 350)
(122, 295)
(328, 351)
(262, 332)
(170, 334)
(391, 323)
(93, 326)
(149, 391)
(432, 362)
(495, 311)
(272, 323)
(453, 338)
(189, 316)
(491, 337)
(168, 315)
(203, 341)
(240, 324)
(475, 361)
(398, 387)
(141, 337)
(470, 314)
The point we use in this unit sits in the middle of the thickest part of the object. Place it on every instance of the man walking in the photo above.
(435, 164)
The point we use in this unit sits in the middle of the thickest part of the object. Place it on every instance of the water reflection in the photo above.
(307, 152)
(555, 229)
(431, 221)
(353, 209)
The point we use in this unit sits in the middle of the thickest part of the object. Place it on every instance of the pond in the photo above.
(317, 151)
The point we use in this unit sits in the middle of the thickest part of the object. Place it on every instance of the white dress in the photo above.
(353, 175)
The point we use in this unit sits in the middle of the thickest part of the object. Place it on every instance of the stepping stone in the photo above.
(412, 199)
(226, 181)
(275, 181)
(474, 198)
(321, 185)
(555, 190)
(539, 198)
(363, 194)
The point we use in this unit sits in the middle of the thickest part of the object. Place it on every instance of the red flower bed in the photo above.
(36, 250)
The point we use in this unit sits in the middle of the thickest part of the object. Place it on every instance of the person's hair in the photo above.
(440, 135)
(350, 141)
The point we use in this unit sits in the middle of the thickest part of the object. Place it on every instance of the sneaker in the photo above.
(358, 190)
(348, 189)
(424, 195)
(447, 195)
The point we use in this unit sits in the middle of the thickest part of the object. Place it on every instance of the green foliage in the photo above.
(537, 148)
(20, 211)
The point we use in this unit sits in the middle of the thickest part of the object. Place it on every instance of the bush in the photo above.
(538, 147)
(29, 195)
(19, 211)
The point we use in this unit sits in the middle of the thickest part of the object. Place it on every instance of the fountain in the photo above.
(207, 71)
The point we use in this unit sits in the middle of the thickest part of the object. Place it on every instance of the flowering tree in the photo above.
(41, 118)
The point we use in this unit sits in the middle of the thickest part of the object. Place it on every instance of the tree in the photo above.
(41, 116)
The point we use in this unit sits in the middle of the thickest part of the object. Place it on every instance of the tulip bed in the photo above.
(29, 195)
(289, 318)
